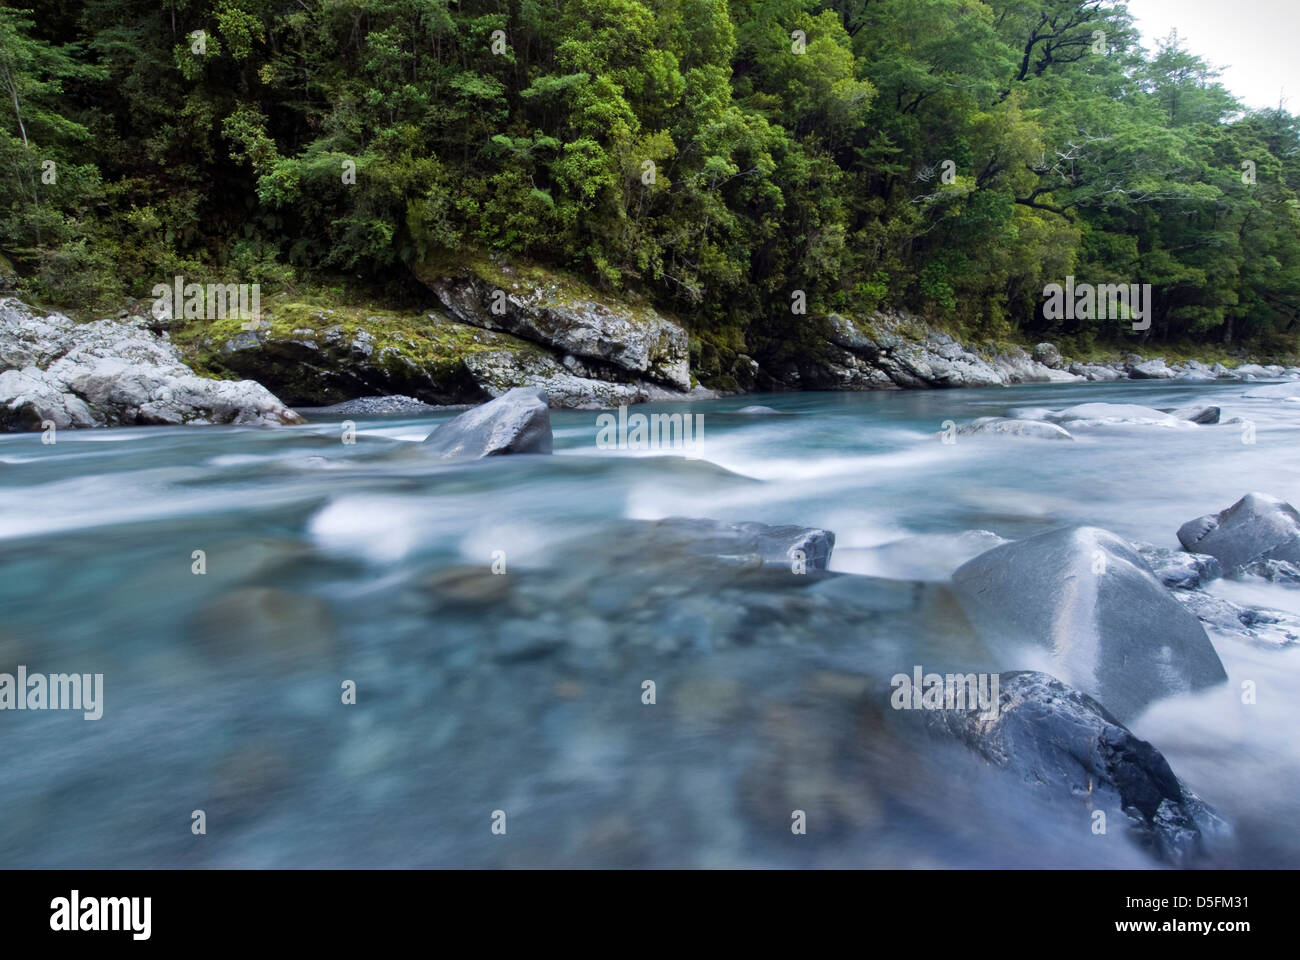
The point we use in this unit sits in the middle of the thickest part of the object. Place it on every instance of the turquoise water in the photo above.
(328, 562)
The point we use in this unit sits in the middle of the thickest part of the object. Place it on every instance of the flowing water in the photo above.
(518, 697)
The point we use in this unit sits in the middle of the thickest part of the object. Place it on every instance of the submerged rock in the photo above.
(1257, 527)
(1270, 628)
(1060, 740)
(1109, 626)
(1115, 414)
(112, 373)
(1197, 414)
(518, 421)
(779, 545)
(1014, 428)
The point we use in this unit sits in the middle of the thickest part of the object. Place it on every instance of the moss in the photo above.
(563, 289)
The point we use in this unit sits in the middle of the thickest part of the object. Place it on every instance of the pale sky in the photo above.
(1254, 41)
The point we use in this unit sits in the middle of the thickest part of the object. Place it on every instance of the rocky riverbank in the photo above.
(499, 326)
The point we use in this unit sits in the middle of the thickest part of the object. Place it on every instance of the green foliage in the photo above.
(950, 156)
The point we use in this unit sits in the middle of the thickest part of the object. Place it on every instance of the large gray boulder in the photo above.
(1086, 598)
(518, 421)
(1256, 528)
(1063, 743)
(112, 373)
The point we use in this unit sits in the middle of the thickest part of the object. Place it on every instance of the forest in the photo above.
(720, 159)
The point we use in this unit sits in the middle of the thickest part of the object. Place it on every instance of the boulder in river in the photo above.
(518, 421)
(1257, 527)
(1197, 413)
(1109, 626)
(1011, 427)
(1115, 414)
(1060, 740)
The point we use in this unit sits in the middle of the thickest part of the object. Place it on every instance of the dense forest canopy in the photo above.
(950, 156)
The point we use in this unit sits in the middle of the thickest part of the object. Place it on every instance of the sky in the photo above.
(1254, 41)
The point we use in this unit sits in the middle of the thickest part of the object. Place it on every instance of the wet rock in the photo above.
(1269, 628)
(1109, 626)
(1178, 570)
(758, 411)
(518, 421)
(1197, 414)
(1006, 426)
(1115, 414)
(1060, 740)
(1257, 527)
(1274, 571)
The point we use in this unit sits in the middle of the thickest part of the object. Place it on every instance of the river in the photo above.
(516, 697)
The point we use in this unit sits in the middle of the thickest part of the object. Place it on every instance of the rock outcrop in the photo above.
(112, 373)
(566, 317)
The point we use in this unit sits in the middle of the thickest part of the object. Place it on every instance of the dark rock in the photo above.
(1048, 355)
(518, 421)
(1197, 414)
(1060, 740)
(1111, 628)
